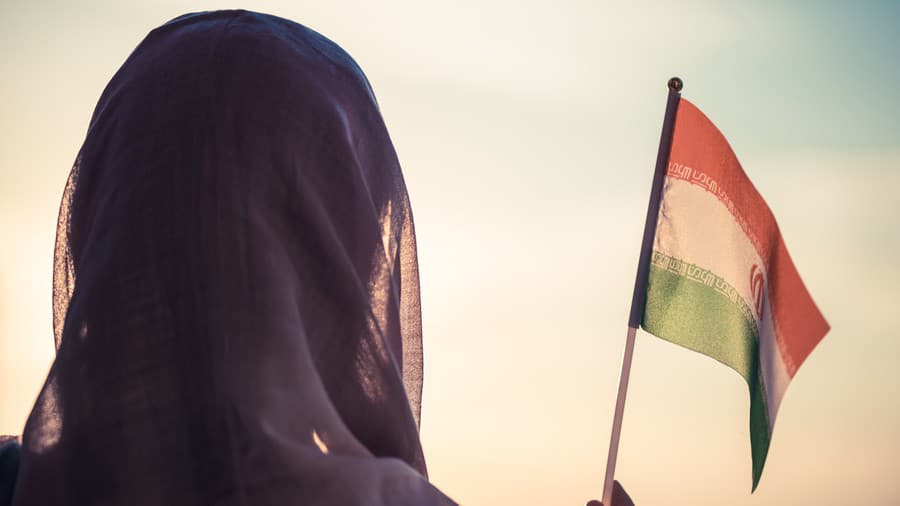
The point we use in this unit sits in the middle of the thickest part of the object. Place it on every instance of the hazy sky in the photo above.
(527, 133)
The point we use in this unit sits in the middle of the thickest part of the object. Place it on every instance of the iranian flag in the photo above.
(721, 281)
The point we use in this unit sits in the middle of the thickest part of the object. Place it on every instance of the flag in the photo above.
(720, 279)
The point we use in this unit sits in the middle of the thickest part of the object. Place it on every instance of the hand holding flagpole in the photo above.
(639, 295)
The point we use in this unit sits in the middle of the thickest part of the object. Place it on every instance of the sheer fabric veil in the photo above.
(236, 293)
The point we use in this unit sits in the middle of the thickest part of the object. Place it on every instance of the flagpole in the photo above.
(639, 296)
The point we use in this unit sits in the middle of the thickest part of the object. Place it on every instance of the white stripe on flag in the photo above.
(697, 228)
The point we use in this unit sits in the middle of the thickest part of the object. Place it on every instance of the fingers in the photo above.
(619, 498)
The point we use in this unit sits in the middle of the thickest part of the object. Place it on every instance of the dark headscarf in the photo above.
(236, 294)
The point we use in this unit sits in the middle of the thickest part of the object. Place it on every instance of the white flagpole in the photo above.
(639, 295)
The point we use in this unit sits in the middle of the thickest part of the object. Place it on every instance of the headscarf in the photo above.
(236, 293)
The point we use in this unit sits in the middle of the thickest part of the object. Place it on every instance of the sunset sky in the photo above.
(527, 133)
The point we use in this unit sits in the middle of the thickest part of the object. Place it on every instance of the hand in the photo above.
(619, 498)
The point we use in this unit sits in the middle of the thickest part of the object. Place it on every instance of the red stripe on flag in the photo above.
(701, 155)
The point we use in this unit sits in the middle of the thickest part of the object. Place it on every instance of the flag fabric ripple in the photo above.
(721, 281)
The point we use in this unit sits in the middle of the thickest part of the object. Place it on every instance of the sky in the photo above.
(527, 133)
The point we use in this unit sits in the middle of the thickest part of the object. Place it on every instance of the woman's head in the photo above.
(235, 273)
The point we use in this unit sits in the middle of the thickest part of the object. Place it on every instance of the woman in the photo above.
(236, 293)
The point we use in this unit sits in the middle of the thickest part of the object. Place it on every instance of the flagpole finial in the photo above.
(676, 84)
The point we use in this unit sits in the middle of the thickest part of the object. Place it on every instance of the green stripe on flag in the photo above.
(759, 429)
(696, 312)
